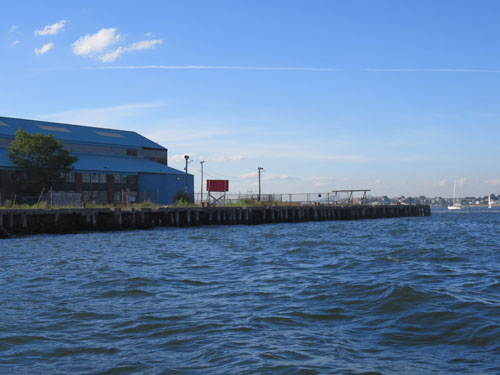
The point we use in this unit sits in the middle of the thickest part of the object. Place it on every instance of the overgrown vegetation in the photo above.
(182, 199)
(243, 203)
(146, 204)
(254, 203)
(37, 206)
(45, 206)
(182, 203)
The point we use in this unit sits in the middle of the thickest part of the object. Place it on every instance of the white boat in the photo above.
(489, 201)
(456, 205)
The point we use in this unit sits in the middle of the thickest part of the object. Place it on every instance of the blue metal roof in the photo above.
(120, 164)
(76, 133)
(106, 164)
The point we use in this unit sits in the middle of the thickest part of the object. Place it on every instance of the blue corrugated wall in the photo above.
(161, 188)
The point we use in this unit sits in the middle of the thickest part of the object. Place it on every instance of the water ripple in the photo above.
(408, 295)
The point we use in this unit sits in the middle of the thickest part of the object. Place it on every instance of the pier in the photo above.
(71, 220)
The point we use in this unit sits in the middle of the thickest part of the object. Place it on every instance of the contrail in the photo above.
(436, 70)
(215, 67)
(284, 68)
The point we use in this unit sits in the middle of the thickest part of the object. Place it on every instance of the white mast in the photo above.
(454, 188)
(455, 206)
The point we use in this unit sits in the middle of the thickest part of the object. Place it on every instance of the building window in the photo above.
(94, 178)
(132, 197)
(69, 177)
(131, 180)
(86, 177)
(123, 179)
(102, 178)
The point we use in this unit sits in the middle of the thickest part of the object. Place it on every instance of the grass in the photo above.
(37, 206)
(184, 203)
(254, 203)
(8, 205)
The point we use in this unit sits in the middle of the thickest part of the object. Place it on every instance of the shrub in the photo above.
(183, 198)
(7, 203)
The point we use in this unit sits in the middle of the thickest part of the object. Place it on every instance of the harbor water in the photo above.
(418, 295)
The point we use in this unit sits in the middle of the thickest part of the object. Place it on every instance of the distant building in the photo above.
(114, 166)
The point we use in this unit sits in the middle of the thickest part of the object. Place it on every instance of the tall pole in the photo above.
(260, 169)
(201, 187)
(186, 169)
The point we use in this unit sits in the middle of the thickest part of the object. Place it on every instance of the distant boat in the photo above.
(455, 206)
(489, 201)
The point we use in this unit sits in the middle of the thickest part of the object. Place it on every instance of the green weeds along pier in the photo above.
(70, 220)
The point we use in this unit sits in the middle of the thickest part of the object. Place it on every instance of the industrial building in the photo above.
(114, 166)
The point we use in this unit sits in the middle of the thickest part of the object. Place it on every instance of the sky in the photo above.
(400, 97)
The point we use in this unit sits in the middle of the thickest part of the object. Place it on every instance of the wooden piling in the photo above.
(78, 219)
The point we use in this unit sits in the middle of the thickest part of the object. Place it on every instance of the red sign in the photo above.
(218, 185)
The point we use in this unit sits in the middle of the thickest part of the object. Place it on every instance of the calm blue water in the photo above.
(388, 296)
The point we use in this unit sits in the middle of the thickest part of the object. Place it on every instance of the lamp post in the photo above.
(259, 169)
(186, 169)
(201, 187)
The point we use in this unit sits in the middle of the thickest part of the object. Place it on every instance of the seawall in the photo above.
(27, 221)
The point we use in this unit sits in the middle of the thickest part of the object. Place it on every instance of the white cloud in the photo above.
(12, 29)
(320, 184)
(137, 46)
(249, 174)
(172, 133)
(144, 44)
(123, 117)
(493, 182)
(95, 43)
(45, 48)
(92, 44)
(320, 181)
(180, 157)
(267, 176)
(462, 181)
(111, 55)
(51, 29)
(275, 176)
(15, 42)
(223, 158)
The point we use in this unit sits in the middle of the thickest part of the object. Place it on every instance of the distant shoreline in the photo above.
(470, 206)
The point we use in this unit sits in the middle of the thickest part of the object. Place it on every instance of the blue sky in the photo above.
(401, 97)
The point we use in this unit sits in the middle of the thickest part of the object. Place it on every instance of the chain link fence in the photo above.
(126, 197)
(288, 198)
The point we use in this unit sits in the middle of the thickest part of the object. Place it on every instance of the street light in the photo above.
(201, 188)
(260, 169)
(186, 169)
